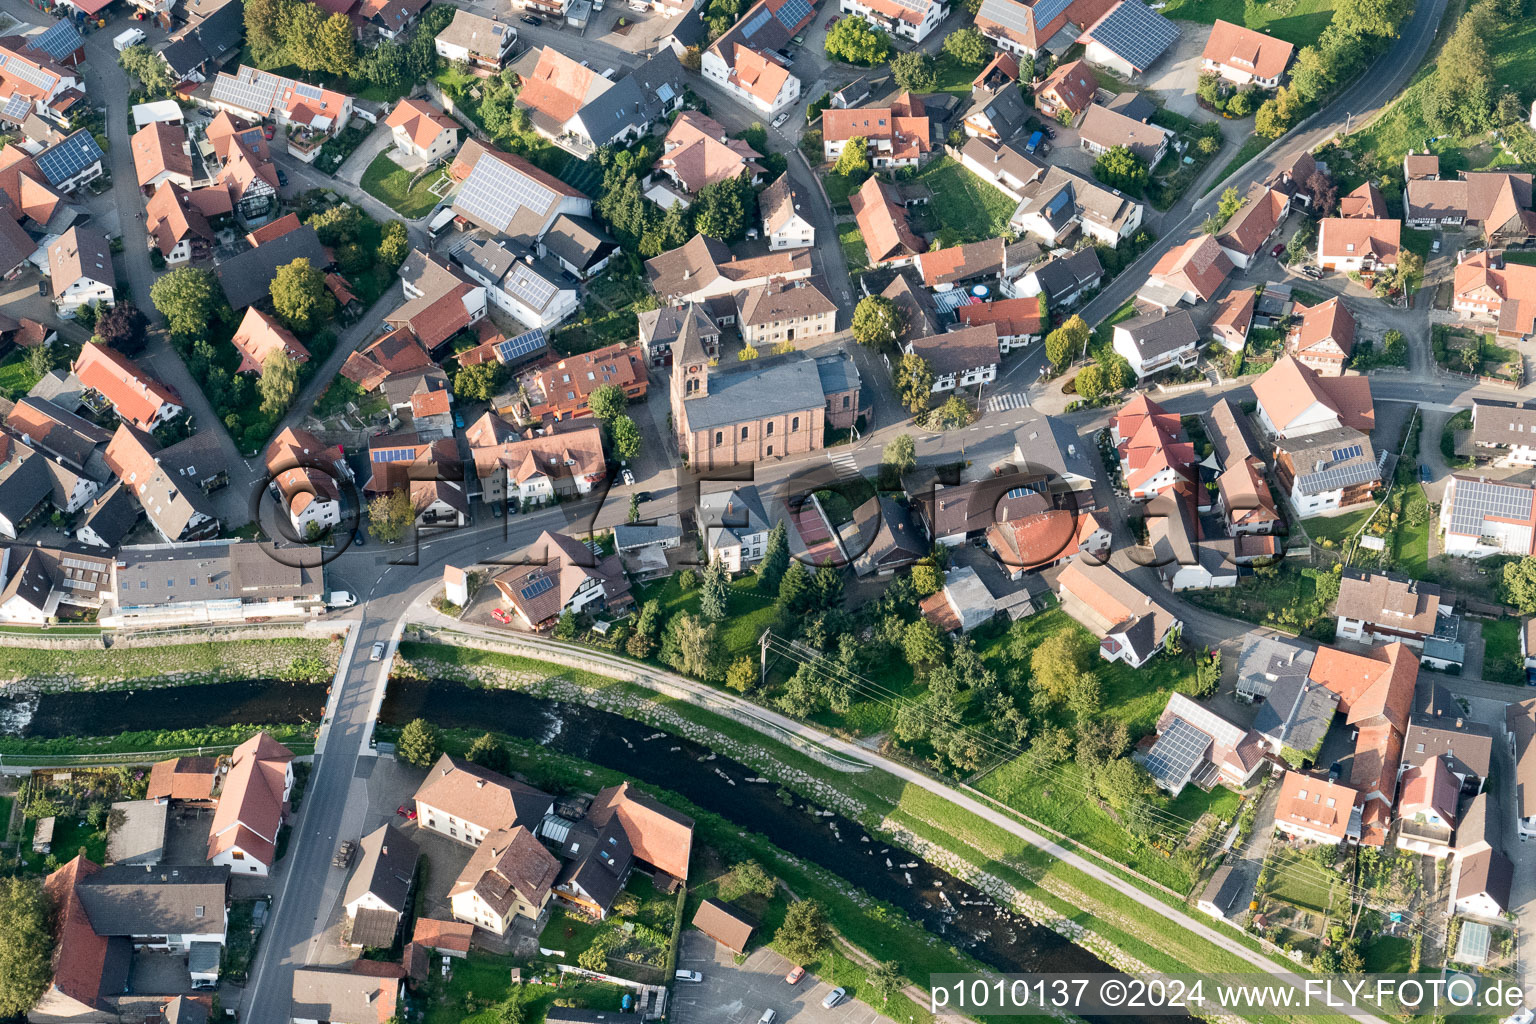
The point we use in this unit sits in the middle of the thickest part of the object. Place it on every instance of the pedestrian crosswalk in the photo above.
(1008, 402)
(844, 462)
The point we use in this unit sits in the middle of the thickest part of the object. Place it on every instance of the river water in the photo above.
(108, 712)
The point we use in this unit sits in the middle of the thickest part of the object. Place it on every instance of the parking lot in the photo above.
(738, 994)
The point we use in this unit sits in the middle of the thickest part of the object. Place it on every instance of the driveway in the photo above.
(1173, 80)
(732, 994)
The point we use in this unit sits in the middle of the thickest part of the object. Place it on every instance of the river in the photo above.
(108, 712)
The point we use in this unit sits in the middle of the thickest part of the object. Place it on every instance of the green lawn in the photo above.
(839, 187)
(1501, 651)
(854, 250)
(1413, 541)
(1299, 880)
(1103, 340)
(1389, 954)
(1336, 528)
(749, 611)
(1301, 23)
(390, 184)
(966, 208)
(15, 378)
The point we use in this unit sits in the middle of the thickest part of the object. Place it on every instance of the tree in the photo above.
(900, 452)
(419, 743)
(642, 642)
(186, 297)
(748, 878)
(1324, 193)
(337, 225)
(266, 29)
(922, 644)
(476, 383)
(953, 413)
(565, 626)
(1085, 697)
(1118, 374)
(1231, 201)
(626, 438)
(968, 47)
(827, 587)
(742, 675)
(608, 402)
(1310, 73)
(856, 41)
(394, 245)
(1119, 167)
(39, 362)
(1241, 104)
(719, 211)
(1122, 783)
(1519, 585)
(145, 64)
(691, 647)
(390, 516)
(914, 72)
(1374, 18)
(633, 513)
(805, 934)
(926, 578)
(385, 66)
(26, 945)
(301, 43)
(279, 380)
(876, 321)
(853, 161)
(488, 752)
(1055, 664)
(775, 559)
(1090, 382)
(1066, 341)
(1208, 87)
(793, 585)
(512, 1010)
(885, 978)
(715, 594)
(914, 383)
(299, 295)
(1275, 116)
(338, 54)
(1392, 342)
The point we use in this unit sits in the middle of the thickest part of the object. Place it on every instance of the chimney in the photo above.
(1458, 721)
(479, 783)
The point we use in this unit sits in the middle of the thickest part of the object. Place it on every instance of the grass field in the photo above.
(239, 659)
(1389, 954)
(749, 611)
(389, 183)
(15, 378)
(966, 208)
(1501, 651)
(1336, 528)
(854, 250)
(1299, 880)
(1301, 24)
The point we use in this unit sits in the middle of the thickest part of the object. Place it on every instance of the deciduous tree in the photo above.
(1119, 167)
(279, 380)
(914, 383)
(338, 53)
(749, 878)
(853, 161)
(1090, 382)
(626, 438)
(876, 321)
(805, 935)
(390, 515)
(608, 401)
(900, 452)
(742, 675)
(691, 647)
(26, 945)
(394, 245)
(186, 297)
(145, 64)
(913, 71)
(300, 297)
(856, 41)
(475, 383)
(488, 752)
(967, 46)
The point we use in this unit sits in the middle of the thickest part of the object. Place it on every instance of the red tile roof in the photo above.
(134, 395)
(1243, 49)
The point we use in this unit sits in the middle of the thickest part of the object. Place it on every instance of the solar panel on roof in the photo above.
(1347, 475)
(16, 108)
(537, 587)
(395, 455)
(1047, 11)
(1352, 452)
(494, 193)
(1475, 500)
(59, 40)
(1136, 33)
(530, 286)
(515, 348)
(1007, 13)
(1176, 753)
(793, 13)
(70, 157)
(30, 73)
(755, 22)
(308, 91)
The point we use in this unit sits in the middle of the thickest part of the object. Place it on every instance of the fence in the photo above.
(65, 638)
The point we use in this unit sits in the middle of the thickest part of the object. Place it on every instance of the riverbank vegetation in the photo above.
(296, 736)
(196, 660)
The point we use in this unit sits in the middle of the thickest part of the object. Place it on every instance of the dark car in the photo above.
(1277, 250)
(357, 538)
(282, 177)
(1050, 132)
(1336, 771)
(642, 495)
(529, 19)
(1424, 473)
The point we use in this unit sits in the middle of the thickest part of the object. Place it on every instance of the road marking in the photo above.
(1008, 402)
(846, 463)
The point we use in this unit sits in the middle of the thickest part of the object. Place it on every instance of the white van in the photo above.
(130, 37)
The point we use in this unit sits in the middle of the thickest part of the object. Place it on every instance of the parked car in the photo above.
(458, 420)
(642, 495)
(628, 478)
(1315, 273)
(1424, 473)
(282, 177)
(408, 813)
(341, 599)
(357, 538)
(1050, 132)
(693, 976)
(831, 21)
(529, 19)
(1277, 250)
(496, 510)
(1335, 772)
(268, 131)
(795, 974)
(768, 1017)
(781, 119)
(377, 653)
(1434, 246)
(833, 998)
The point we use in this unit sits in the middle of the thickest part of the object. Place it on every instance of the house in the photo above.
(747, 412)
(1520, 728)
(744, 61)
(396, 355)
(579, 109)
(1364, 202)
(955, 514)
(69, 439)
(224, 582)
(167, 482)
(959, 359)
(33, 77)
(1022, 28)
(1005, 166)
(1064, 280)
(1426, 808)
(997, 115)
(1190, 273)
(1294, 401)
(1243, 56)
(1315, 810)
(1481, 517)
(1223, 894)
(1440, 730)
(559, 390)
(1234, 316)
(448, 938)
(1295, 712)
(622, 830)
(643, 547)
(1496, 202)
(423, 131)
(725, 924)
(965, 602)
(705, 268)
(1245, 500)
(1131, 626)
(484, 43)
(578, 245)
(378, 894)
(1066, 92)
(1358, 244)
(1041, 539)
(80, 266)
(1499, 432)
(536, 291)
(510, 875)
(204, 44)
(1002, 69)
(1493, 294)
(897, 135)
(698, 151)
(661, 329)
(562, 575)
(389, 18)
(430, 471)
(734, 525)
(307, 475)
(882, 220)
(1483, 877)
(236, 153)
(333, 996)
(184, 779)
(1196, 745)
(1324, 339)
(1154, 342)
(161, 153)
(1129, 38)
(1247, 232)
(259, 337)
(566, 459)
(780, 205)
(906, 19)
(506, 195)
(310, 113)
(1017, 321)
(253, 806)
(178, 221)
(442, 300)
(1104, 129)
(116, 381)
(1184, 558)
(1062, 201)
(247, 278)
(888, 535)
(1153, 451)
(962, 265)
(467, 803)
(1326, 471)
(785, 312)
(35, 581)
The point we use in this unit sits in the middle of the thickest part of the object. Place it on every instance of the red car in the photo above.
(794, 975)
(410, 813)
(269, 131)
(831, 21)
(1276, 251)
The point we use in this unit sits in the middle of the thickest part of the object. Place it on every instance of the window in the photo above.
(237, 855)
(719, 437)
(794, 424)
(743, 433)
(770, 449)
(845, 401)
(768, 430)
